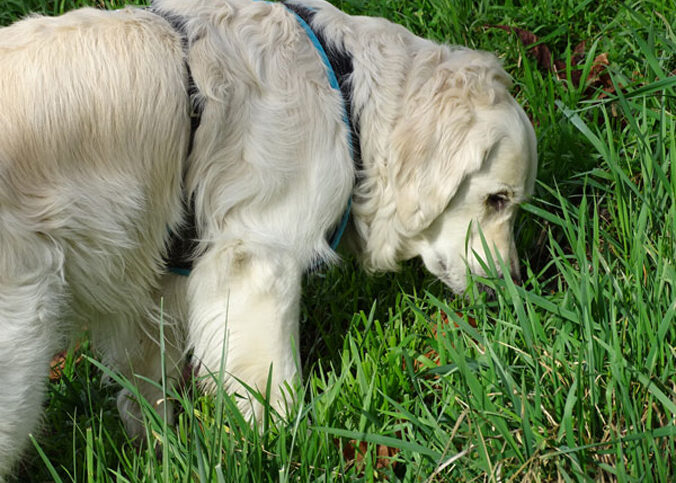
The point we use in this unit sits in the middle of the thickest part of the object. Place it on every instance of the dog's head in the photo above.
(463, 157)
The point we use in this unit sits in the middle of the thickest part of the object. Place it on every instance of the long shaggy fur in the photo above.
(94, 130)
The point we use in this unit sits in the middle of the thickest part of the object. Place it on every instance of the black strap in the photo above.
(183, 241)
(178, 23)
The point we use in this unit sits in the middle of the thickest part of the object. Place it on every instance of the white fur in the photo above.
(93, 135)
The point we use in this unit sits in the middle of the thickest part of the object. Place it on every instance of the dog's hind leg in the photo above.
(31, 297)
(151, 364)
(144, 368)
(244, 323)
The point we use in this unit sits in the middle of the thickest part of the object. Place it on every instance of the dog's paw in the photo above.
(130, 414)
(133, 419)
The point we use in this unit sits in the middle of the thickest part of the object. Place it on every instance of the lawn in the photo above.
(571, 376)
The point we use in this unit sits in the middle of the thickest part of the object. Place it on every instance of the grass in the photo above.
(570, 377)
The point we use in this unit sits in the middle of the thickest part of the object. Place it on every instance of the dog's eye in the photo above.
(497, 201)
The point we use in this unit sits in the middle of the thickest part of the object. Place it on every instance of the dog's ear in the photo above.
(436, 144)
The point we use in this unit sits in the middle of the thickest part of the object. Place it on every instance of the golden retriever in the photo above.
(98, 162)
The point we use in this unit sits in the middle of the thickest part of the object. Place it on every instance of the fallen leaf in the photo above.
(541, 52)
(385, 455)
(432, 354)
(354, 452)
(58, 364)
(444, 317)
(597, 77)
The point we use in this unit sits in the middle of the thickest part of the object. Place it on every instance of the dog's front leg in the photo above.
(244, 309)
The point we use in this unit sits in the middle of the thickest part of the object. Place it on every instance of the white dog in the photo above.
(97, 162)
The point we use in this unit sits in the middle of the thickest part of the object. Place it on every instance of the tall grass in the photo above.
(568, 377)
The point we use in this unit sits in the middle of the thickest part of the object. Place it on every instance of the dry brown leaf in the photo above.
(58, 364)
(541, 52)
(354, 452)
(444, 317)
(431, 354)
(597, 77)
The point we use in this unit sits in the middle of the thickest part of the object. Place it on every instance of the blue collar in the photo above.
(339, 68)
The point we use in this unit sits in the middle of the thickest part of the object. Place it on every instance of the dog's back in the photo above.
(93, 135)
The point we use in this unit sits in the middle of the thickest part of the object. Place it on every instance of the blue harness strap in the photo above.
(303, 16)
